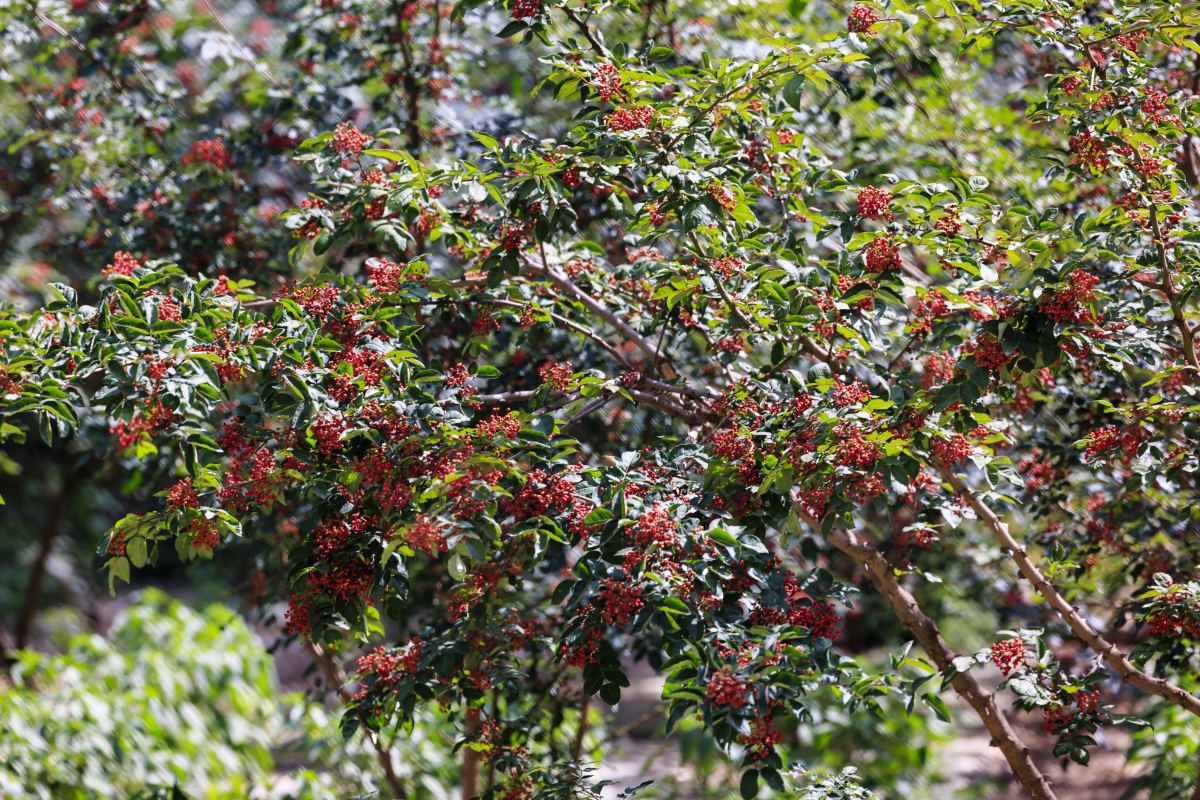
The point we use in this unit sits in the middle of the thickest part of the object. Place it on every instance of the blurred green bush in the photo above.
(185, 697)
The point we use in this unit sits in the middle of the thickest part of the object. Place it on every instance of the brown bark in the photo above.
(577, 744)
(925, 630)
(1115, 658)
(37, 572)
(468, 771)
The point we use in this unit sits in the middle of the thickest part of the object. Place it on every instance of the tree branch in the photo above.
(926, 632)
(1116, 659)
(337, 680)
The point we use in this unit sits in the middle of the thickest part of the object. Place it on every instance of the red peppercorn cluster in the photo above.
(732, 344)
(390, 666)
(607, 81)
(1067, 305)
(861, 19)
(557, 376)
(523, 9)
(882, 255)
(847, 394)
(484, 323)
(1008, 655)
(656, 217)
(621, 599)
(1177, 616)
(950, 224)
(182, 496)
(820, 619)
(724, 197)
(425, 535)
(729, 267)
(954, 450)
(203, 533)
(506, 425)
(349, 139)
(540, 493)
(1055, 719)
(937, 369)
(1089, 151)
(327, 431)
(989, 353)
(761, 741)
(169, 311)
(228, 369)
(1108, 440)
(208, 151)
(123, 264)
(728, 445)
(726, 690)
(874, 202)
(428, 220)
(655, 527)
(630, 119)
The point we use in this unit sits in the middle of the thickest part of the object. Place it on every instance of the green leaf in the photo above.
(938, 705)
(793, 90)
(137, 551)
(749, 784)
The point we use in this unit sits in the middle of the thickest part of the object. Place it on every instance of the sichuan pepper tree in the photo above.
(831, 365)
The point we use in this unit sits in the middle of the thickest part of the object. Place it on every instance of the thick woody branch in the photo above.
(926, 632)
(1115, 658)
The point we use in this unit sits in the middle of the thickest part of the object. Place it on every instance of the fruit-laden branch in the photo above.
(1118, 660)
(337, 682)
(926, 632)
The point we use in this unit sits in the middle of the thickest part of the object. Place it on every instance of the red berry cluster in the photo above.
(1108, 440)
(1089, 151)
(557, 376)
(630, 119)
(950, 224)
(954, 450)
(507, 425)
(820, 619)
(169, 311)
(729, 267)
(327, 431)
(725, 198)
(1008, 655)
(847, 394)
(655, 527)
(428, 220)
(726, 690)
(1067, 305)
(210, 151)
(761, 740)
(861, 19)
(728, 445)
(182, 496)
(203, 533)
(622, 600)
(882, 255)
(1175, 618)
(607, 80)
(732, 344)
(390, 667)
(540, 493)
(522, 9)
(228, 369)
(349, 139)
(123, 264)
(873, 203)
(425, 535)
